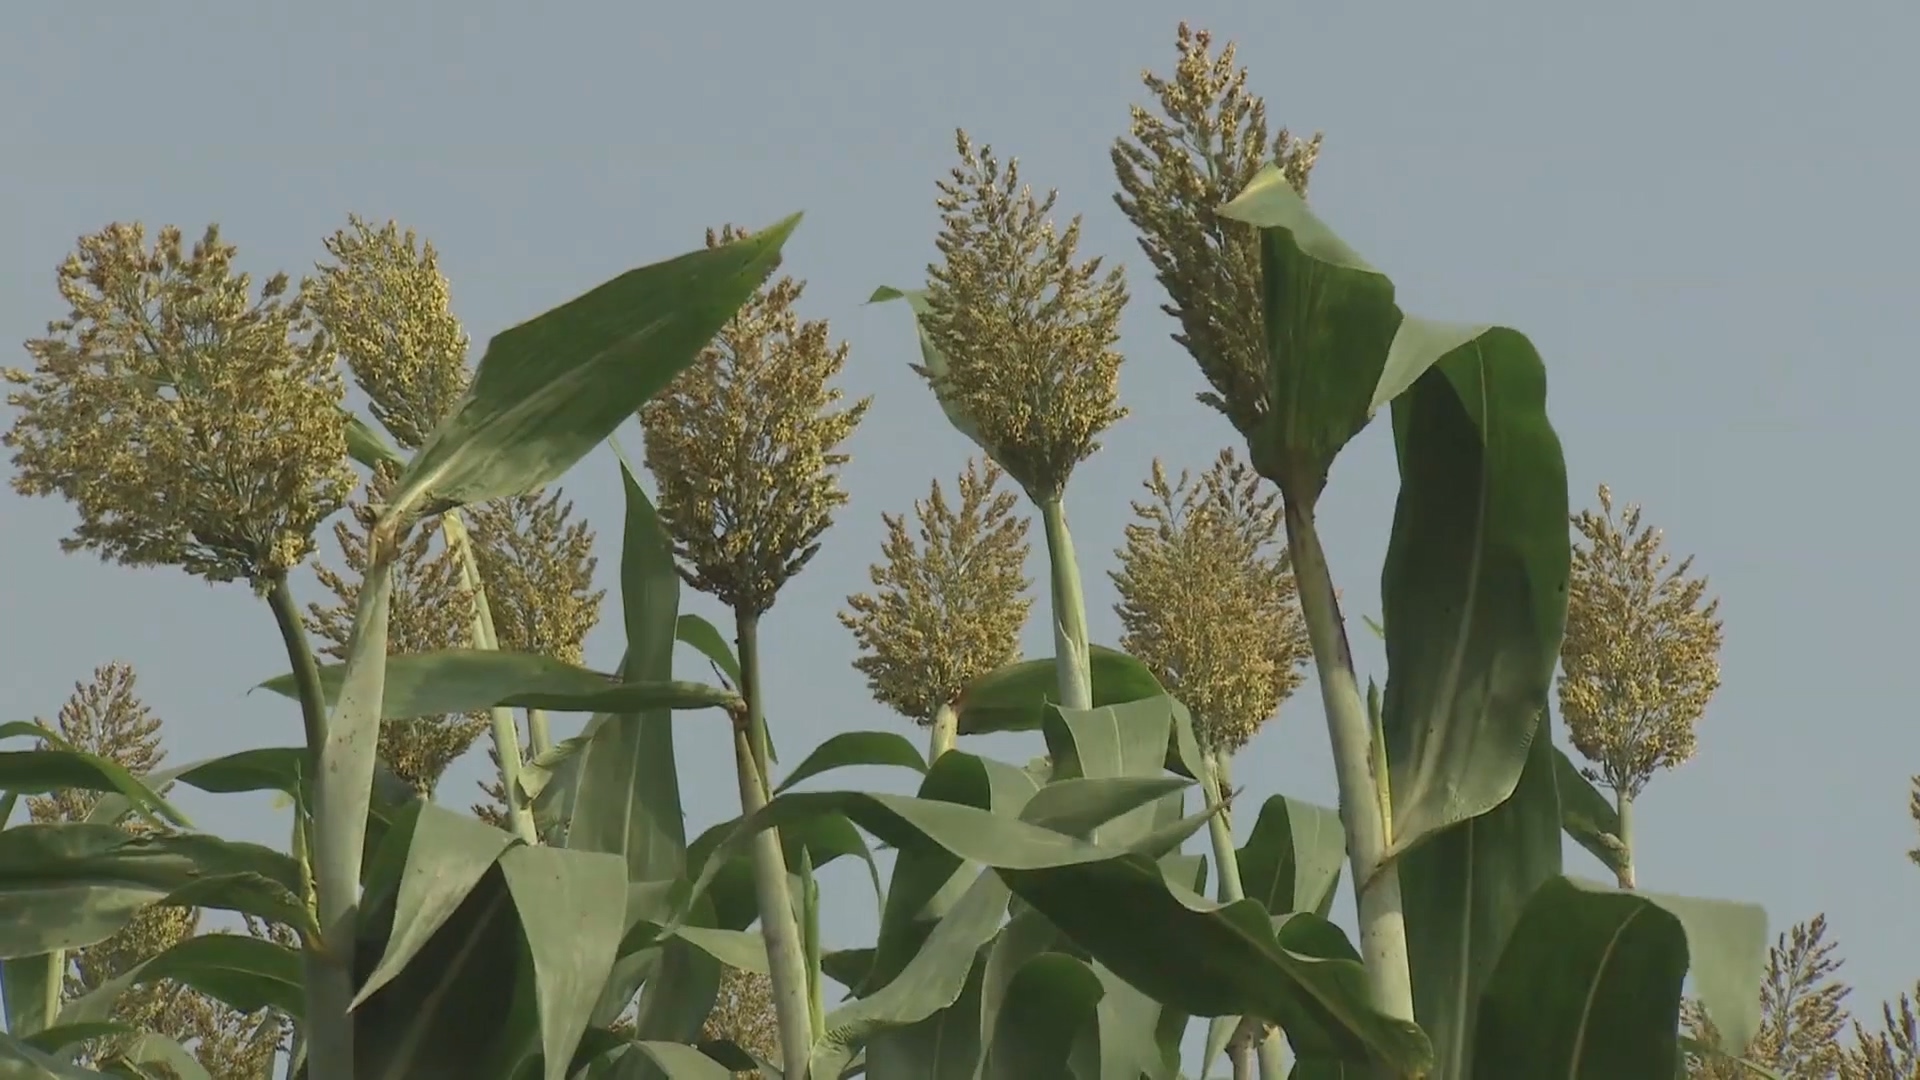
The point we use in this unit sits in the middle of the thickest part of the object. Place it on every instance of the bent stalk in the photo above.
(1070, 654)
(779, 926)
(1383, 928)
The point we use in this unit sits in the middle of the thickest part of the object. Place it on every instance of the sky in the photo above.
(1700, 214)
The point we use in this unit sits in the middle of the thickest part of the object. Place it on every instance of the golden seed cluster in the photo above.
(744, 448)
(1641, 657)
(1027, 331)
(188, 423)
(1178, 169)
(948, 608)
(1208, 599)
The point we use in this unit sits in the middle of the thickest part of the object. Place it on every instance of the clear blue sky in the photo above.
(1701, 213)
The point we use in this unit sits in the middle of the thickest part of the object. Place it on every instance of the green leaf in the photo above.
(1207, 959)
(20, 1060)
(1112, 741)
(449, 855)
(934, 363)
(550, 389)
(572, 908)
(1587, 988)
(1015, 697)
(1463, 892)
(245, 972)
(367, 446)
(1727, 961)
(824, 839)
(932, 980)
(705, 637)
(148, 1049)
(1330, 323)
(53, 1040)
(38, 772)
(943, 1046)
(1586, 815)
(850, 748)
(67, 886)
(474, 680)
(1051, 1002)
(677, 1061)
(626, 798)
(1475, 583)
(24, 983)
(1292, 859)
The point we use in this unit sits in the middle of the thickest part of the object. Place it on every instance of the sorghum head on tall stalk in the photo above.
(388, 310)
(950, 608)
(1027, 331)
(189, 423)
(1641, 656)
(1208, 600)
(743, 447)
(1176, 172)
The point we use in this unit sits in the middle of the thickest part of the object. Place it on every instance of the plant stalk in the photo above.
(306, 670)
(1216, 785)
(56, 983)
(1071, 656)
(944, 733)
(1623, 804)
(1383, 927)
(779, 924)
(505, 732)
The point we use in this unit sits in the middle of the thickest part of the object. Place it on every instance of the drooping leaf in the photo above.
(1051, 1002)
(1587, 815)
(62, 765)
(367, 446)
(1726, 961)
(572, 907)
(243, 971)
(1475, 583)
(475, 680)
(67, 886)
(1015, 697)
(446, 860)
(550, 389)
(1587, 987)
(1292, 859)
(1112, 741)
(850, 748)
(707, 639)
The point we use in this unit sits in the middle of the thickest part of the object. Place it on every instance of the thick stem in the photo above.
(1070, 654)
(1241, 1056)
(1623, 803)
(56, 985)
(779, 925)
(944, 733)
(1383, 927)
(539, 732)
(506, 734)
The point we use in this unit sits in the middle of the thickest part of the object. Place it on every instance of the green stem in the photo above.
(539, 733)
(1070, 654)
(1383, 927)
(306, 670)
(55, 988)
(506, 734)
(779, 926)
(1217, 784)
(1623, 803)
(945, 732)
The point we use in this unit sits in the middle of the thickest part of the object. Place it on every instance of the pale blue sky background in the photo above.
(1700, 212)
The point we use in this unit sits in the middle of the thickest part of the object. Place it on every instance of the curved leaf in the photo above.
(705, 637)
(550, 389)
(245, 972)
(1015, 697)
(446, 860)
(1292, 859)
(474, 680)
(1586, 815)
(1052, 1002)
(1475, 585)
(850, 748)
(572, 908)
(62, 765)
(934, 368)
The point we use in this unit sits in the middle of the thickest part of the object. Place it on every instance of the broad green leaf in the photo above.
(474, 680)
(1111, 741)
(550, 389)
(67, 886)
(367, 446)
(1015, 697)
(1080, 806)
(1586, 815)
(932, 980)
(1475, 585)
(62, 765)
(245, 972)
(572, 908)
(678, 1061)
(1727, 960)
(1207, 959)
(848, 967)
(1587, 988)
(1292, 859)
(1050, 1002)
(1463, 891)
(1129, 1023)
(850, 748)
(626, 781)
(943, 1046)
(707, 639)
(824, 839)
(934, 362)
(1330, 324)
(25, 983)
(449, 855)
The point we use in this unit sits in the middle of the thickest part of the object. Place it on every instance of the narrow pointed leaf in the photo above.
(1015, 697)
(449, 855)
(550, 389)
(1292, 859)
(61, 765)
(367, 446)
(707, 639)
(474, 680)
